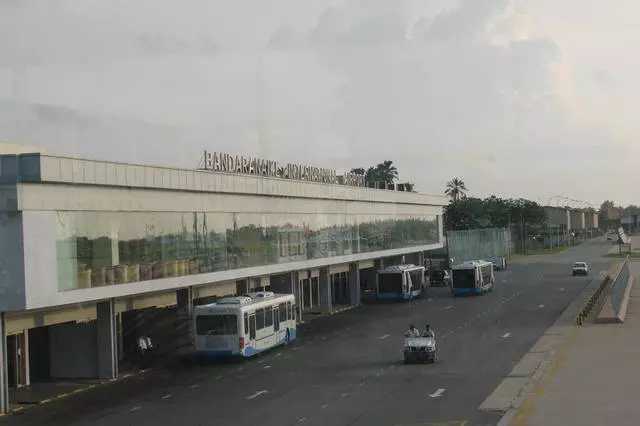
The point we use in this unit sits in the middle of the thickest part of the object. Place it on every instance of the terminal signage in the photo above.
(227, 163)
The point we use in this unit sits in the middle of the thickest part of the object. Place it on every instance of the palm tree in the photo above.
(387, 172)
(456, 189)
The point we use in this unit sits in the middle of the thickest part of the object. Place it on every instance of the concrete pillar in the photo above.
(379, 264)
(354, 284)
(242, 287)
(421, 258)
(326, 301)
(106, 336)
(4, 378)
(184, 299)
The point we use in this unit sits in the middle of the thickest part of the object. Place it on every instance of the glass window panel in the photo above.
(105, 248)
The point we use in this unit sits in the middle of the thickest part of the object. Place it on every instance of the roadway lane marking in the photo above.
(302, 419)
(561, 288)
(136, 408)
(257, 394)
(343, 395)
(266, 367)
(363, 383)
(540, 306)
(166, 396)
(437, 393)
(195, 386)
(384, 337)
(505, 335)
(324, 406)
(448, 307)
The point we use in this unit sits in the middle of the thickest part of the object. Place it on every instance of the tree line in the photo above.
(464, 212)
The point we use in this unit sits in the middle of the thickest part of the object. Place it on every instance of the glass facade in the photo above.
(105, 248)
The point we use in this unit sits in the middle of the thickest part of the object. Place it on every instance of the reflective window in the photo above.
(105, 248)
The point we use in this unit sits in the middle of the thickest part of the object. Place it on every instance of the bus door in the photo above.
(276, 319)
(252, 329)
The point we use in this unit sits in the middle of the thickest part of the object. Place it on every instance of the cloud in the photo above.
(471, 76)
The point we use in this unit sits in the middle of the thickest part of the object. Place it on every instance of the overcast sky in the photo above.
(529, 98)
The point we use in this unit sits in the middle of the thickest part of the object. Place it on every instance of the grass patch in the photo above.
(623, 255)
(539, 252)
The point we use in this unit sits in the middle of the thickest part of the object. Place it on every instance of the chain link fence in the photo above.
(488, 244)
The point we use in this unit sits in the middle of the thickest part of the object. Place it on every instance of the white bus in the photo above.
(401, 282)
(472, 277)
(244, 326)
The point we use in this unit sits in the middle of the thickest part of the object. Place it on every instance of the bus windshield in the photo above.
(389, 283)
(464, 278)
(216, 325)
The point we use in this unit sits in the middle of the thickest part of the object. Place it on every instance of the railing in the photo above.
(592, 301)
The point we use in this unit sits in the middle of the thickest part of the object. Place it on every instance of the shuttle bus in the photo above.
(244, 326)
(472, 277)
(401, 282)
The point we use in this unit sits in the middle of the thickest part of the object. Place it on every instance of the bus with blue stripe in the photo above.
(244, 326)
(472, 277)
(400, 282)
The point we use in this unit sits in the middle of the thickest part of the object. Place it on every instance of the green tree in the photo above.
(456, 189)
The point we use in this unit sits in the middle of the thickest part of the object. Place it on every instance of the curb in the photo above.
(64, 395)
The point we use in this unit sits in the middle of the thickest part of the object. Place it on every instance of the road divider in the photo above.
(614, 307)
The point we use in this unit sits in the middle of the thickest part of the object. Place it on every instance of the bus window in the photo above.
(268, 317)
(289, 311)
(417, 279)
(282, 311)
(259, 319)
(390, 283)
(464, 278)
(246, 323)
(216, 325)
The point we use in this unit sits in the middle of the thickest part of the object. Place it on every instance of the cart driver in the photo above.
(428, 332)
(412, 331)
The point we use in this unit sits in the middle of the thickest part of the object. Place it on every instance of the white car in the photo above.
(580, 268)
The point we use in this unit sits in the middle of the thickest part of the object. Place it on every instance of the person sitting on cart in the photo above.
(428, 332)
(412, 331)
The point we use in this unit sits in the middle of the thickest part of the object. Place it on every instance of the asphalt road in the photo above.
(347, 369)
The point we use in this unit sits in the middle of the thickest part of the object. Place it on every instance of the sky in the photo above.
(519, 98)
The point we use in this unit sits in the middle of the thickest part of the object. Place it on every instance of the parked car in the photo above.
(580, 268)
(440, 278)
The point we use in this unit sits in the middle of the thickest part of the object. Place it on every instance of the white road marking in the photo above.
(343, 395)
(267, 367)
(302, 419)
(194, 386)
(363, 383)
(384, 337)
(166, 396)
(136, 408)
(218, 377)
(278, 354)
(379, 373)
(505, 335)
(261, 361)
(561, 288)
(504, 281)
(540, 306)
(257, 394)
(392, 367)
(324, 406)
(448, 307)
(437, 393)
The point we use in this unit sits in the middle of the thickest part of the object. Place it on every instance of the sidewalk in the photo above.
(596, 380)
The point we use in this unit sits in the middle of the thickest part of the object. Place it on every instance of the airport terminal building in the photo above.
(90, 246)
